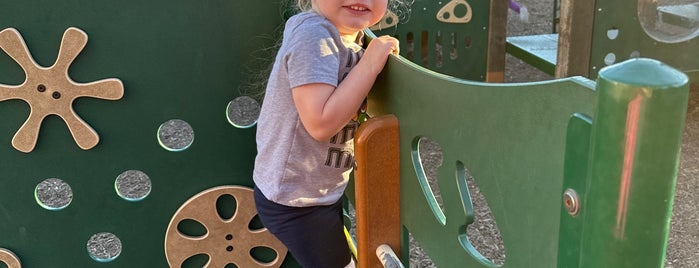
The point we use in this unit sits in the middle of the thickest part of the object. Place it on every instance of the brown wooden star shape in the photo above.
(51, 91)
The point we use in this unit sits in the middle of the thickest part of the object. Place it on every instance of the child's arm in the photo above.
(324, 110)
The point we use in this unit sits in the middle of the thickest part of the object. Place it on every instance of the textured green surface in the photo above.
(178, 60)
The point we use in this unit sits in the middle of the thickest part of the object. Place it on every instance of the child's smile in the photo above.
(358, 9)
(351, 16)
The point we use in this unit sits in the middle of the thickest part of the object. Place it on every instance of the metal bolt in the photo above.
(56, 95)
(571, 201)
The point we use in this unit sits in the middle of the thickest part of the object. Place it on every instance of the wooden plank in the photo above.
(377, 188)
(575, 39)
(495, 62)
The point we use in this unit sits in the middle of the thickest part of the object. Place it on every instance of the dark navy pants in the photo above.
(314, 235)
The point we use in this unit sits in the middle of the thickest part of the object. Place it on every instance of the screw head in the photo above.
(56, 95)
(571, 201)
(41, 88)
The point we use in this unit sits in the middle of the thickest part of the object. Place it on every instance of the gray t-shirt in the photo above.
(292, 168)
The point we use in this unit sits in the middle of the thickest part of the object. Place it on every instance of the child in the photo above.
(306, 127)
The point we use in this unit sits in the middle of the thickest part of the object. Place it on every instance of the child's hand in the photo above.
(377, 52)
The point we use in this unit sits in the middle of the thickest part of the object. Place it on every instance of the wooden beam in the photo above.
(377, 188)
(575, 38)
(495, 63)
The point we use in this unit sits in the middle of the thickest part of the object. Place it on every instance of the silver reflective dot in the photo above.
(133, 185)
(175, 135)
(53, 194)
(243, 111)
(104, 247)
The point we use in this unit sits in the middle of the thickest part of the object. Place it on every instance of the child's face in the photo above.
(351, 16)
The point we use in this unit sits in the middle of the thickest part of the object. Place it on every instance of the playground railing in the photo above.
(575, 177)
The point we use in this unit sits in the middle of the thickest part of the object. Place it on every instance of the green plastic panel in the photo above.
(623, 168)
(630, 40)
(511, 139)
(523, 143)
(177, 60)
(456, 49)
(634, 160)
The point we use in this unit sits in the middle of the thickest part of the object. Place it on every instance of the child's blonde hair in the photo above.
(303, 5)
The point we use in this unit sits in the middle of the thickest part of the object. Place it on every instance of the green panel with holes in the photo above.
(521, 144)
(510, 139)
(448, 36)
(181, 64)
(670, 35)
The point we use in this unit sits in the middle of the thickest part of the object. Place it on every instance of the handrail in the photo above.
(387, 257)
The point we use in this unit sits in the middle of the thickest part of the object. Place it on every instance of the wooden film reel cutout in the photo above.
(226, 240)
(9, 258)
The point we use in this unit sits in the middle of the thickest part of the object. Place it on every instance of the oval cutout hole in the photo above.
(460, 11)
(480, 236)
(191, 228)
(198, 260)
(427, 157)
(263, 254)
(256, 224)
(226, 206)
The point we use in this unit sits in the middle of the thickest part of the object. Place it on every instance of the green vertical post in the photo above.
(635, 148)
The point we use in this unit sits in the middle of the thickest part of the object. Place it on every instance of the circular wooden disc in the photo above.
(226, 240)
(9, 258)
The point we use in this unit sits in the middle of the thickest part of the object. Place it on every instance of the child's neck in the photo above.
(350, 37)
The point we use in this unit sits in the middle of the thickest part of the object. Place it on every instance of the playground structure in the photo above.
(540, 152)
(595, 34)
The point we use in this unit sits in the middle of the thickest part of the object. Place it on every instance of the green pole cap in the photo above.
(644, 72)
